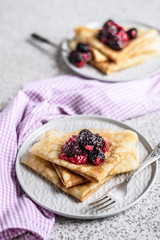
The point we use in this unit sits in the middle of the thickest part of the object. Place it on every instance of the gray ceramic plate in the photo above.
(140, 71)
(50, 197)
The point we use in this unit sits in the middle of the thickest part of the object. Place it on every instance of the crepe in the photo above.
(121, 143)
(81, 192)
(85, 35)
(110, 67)
(70, 179)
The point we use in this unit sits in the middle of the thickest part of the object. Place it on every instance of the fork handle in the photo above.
(155, 155)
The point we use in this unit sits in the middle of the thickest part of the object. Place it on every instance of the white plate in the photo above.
(53, 199)
(140, 71)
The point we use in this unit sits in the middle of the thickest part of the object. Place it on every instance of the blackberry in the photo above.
(98, 141)
(85, 137)
(110, 27)
(82, 47)
(132, 33)
(102, 36)
(76, 58)
(96, 156)
(115, 42)
(71, 147)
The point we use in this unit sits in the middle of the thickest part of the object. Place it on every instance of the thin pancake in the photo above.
(85, 35)
(121, 143)
(70, 179)
(81, 192)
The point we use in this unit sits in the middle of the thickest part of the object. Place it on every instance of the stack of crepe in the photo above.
(107, 60)
(82, 180)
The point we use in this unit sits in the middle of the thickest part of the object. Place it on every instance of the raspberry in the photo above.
(106, 147)
(89, 147)
(87, 56)
(81, 159)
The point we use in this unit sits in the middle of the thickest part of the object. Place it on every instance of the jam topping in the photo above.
(85, 147)
(115, 36)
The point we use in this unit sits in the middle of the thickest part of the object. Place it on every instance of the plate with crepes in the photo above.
(135, 59)
(66, 186)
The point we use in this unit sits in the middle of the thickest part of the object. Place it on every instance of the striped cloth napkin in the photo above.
(42, 101)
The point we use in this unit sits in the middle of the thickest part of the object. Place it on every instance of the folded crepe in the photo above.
(83, 191)
(110, 67)
(70, 179)
(87, 35)
(121, 142)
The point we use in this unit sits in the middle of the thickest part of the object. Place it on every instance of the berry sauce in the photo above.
(85, 147)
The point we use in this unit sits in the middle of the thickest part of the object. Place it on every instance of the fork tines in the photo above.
(102, 203)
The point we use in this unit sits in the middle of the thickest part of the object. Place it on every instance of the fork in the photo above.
(119, 191)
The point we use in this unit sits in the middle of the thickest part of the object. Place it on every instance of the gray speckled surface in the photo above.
(22, 62)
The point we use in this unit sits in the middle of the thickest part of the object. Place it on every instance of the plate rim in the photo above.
(83, 216)
(74, 69)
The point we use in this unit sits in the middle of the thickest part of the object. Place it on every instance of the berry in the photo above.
(84, 147)
(132, 33)
(110, 27)
(82, 47)
(89, 147)
(113, 35)
(115, 42)
(84, 138)
(123, 35)
(71, 147)
(87, 56)
(81, 159)
(102, 36)
(96, 156)
(98, 141)
(76, 58)
(106, 146)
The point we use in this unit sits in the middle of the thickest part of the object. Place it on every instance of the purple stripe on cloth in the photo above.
(42, 101)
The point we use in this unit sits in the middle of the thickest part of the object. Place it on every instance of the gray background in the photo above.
(22, 62)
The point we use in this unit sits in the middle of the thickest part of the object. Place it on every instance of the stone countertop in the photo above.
(22, 62)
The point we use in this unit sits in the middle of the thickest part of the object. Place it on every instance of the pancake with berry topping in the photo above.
(70, 179)
(83, 191)
(109, 146)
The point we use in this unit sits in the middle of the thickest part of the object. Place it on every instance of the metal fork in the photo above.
(119, 191)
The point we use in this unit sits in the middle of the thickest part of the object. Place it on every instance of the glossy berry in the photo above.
(110, 27)
(96, 156)
(82, 47)
(132, 33)
(71, 147)
(84, 138)
(76, 58)
(98, 141)
(115, 42)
